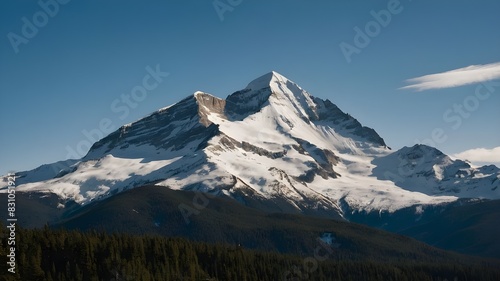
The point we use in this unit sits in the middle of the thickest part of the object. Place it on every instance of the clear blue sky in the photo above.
(64, 79)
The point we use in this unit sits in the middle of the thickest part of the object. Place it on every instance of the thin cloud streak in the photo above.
(455, 78)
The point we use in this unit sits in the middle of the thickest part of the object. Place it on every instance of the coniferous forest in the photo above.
(47, 254)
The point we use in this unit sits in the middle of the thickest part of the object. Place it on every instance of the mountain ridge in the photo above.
(270, 141)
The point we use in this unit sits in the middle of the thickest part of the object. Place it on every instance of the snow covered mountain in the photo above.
(271, 142)
(425, 169)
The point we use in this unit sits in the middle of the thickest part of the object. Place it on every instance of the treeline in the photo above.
(47, 254)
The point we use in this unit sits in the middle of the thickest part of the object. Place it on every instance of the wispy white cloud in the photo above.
(455, 78)
(481, 155)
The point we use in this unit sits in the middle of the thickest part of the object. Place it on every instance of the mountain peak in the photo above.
(420, 150)
(271, 140)
(273, 88)
(266, 80)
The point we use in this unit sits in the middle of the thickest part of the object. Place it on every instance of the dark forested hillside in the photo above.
(222, 240)
(46, 254)
(471, 229)
(467, 226)
(159, 210)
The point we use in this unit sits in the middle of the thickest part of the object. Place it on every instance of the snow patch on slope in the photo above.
(93, 179)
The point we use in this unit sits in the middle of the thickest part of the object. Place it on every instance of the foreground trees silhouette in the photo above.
(47, 254)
